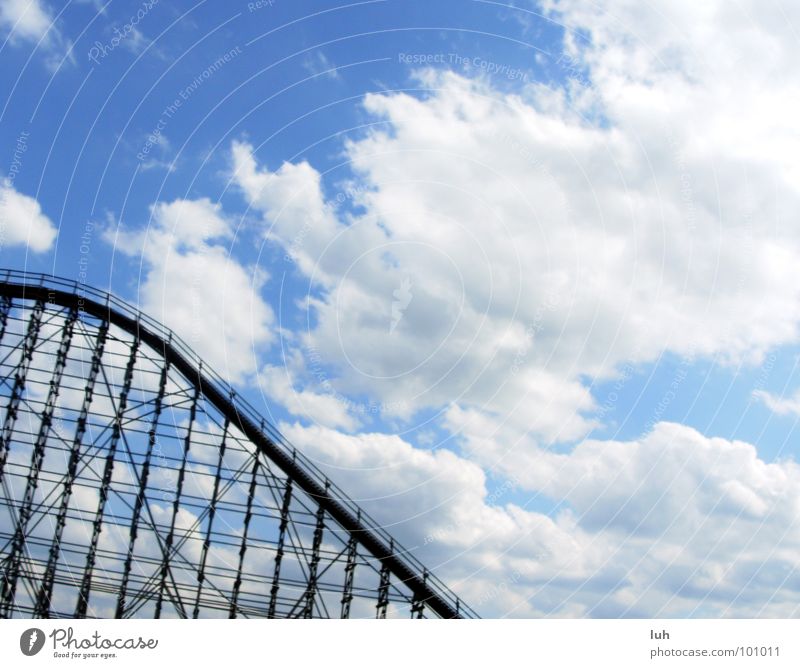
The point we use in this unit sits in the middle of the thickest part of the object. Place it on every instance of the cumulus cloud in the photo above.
(638, 204)
(325, 409)
(26, 19)
(22, 222)
(292, 202)
(671, 524)
(193, 285)
(780, 405)
(525, 277)
(551, 235)
(31, 21)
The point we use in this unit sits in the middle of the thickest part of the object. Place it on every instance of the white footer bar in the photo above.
(423, 644)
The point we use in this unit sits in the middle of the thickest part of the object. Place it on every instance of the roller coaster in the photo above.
(137, 482)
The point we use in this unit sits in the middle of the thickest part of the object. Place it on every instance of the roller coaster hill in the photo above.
(136, 482)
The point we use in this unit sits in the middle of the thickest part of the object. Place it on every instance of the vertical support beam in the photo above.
(46, 589)
(417, 608)
(418, 604)
(349, 577)
(201, 571)
(140, 495)
(18, 389)
(108, 470)
(187, 444)
(243, 547)
(5, 309)
(383, 593)
(37, 461)
(383, 588)
(311, 589)
(283, 527)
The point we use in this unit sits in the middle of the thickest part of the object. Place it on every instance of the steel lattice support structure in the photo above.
(134, 482)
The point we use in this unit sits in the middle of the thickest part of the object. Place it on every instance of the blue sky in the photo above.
(506, 246)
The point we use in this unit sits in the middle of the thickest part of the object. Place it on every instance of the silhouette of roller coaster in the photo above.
(137, 483)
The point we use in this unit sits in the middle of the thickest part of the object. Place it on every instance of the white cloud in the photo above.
(543, 249)
(324, 409)
(670, 524)
(318, 64)
(537, 252)
(291, 200)
(193, 285)
(780, 405)
(160, 154)
(31, 21)
(22, 222)
(642, 206)
(26, 19)
(190, 223)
